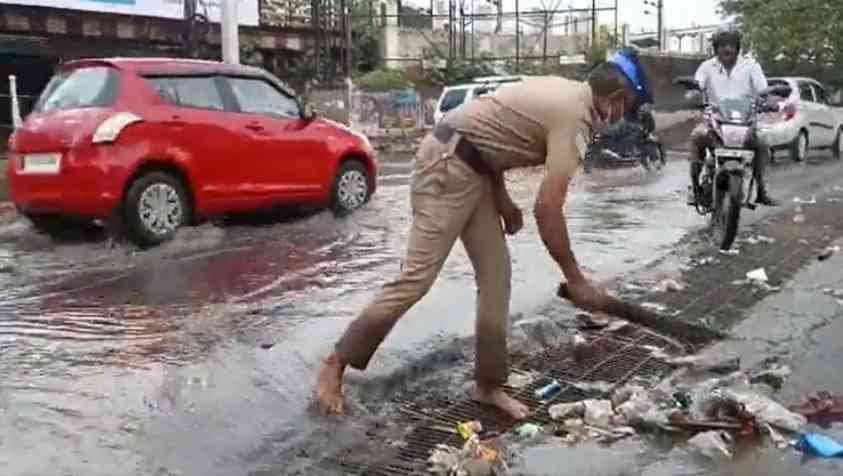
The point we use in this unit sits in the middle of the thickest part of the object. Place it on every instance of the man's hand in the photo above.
(513, 219)
(586, 296)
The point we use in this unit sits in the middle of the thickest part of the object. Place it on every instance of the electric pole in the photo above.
(229, 29)
(659, 5)
(593, 23)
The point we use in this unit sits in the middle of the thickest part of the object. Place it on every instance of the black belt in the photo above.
(465, 150)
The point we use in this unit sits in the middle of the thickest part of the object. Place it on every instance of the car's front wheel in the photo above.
(351, 188)
(156, 205)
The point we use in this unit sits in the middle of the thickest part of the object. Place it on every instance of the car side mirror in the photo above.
(308, 112)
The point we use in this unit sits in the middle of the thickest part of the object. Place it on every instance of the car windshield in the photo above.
(735, 108)
(82, 87)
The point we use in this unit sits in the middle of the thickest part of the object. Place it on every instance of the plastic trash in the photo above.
(713, 444)
(669, 285)
(564, 411)
(759, 275)
(768, 411)
(812, 201)
(469, 429)
(828, 253)
(719, 363)
(820, 445)
(774, 377)
(548, 390)
(528, 430)
(520, 380)
(598, 413)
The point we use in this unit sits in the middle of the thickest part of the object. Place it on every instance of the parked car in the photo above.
(806, 120)
(155, 144)
(453, 96)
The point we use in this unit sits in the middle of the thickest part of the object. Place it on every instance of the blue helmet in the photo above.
(627, 61)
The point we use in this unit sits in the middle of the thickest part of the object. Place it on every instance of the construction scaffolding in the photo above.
(353, 35)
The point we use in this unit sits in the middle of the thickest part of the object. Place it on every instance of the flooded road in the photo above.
(197, 358)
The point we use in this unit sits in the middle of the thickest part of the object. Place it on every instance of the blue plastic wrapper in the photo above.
(820, 445)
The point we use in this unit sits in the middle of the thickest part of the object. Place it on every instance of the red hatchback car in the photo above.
(155, 144)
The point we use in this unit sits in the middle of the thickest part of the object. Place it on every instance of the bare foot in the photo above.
(498, 398)
(329, 385)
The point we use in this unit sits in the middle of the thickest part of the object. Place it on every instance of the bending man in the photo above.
(458, 192)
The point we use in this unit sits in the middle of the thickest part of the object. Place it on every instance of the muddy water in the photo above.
(197, 358)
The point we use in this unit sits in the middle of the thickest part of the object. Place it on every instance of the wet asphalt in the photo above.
(198, 357)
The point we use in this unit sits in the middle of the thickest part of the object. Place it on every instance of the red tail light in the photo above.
(789, 111)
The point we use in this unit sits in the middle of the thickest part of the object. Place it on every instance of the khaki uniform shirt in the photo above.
(541, 120)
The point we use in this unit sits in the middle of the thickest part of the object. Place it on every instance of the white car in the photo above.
(454, 96)
(806, 120)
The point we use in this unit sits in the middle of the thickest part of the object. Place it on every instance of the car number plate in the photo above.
(41, 163)
(735, 153)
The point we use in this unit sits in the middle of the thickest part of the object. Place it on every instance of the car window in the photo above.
(805, 91)
(256, 96)
(82, 87)
(452, 99)
(822, 98)
(189, 91)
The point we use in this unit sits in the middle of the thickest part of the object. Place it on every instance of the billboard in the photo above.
(247, 10)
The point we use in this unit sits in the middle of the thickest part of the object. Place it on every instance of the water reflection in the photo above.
(154, 358)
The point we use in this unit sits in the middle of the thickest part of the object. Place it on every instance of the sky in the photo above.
(677, 13)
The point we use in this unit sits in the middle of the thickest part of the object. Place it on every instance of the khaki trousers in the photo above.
(449, 201)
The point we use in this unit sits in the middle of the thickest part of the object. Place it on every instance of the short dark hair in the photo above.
(606, 78)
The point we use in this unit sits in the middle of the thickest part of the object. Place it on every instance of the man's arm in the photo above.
(552, 225)
(702, 75)
(759, 80)
(562, 161)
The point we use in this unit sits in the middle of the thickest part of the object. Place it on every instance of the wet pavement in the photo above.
(197, 358)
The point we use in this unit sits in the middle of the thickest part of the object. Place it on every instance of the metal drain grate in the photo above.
(606, 358)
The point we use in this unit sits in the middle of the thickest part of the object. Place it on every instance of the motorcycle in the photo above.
(626, 143)
(723, 190)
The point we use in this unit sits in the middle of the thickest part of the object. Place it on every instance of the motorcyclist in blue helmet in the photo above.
(627, 60)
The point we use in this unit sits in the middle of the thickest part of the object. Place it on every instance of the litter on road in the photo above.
(820, 445)
(821, 408)
(828, 253)
(759, 275)
(669, 285)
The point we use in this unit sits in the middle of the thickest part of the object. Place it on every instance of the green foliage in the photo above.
(797, 37)
(381, 80)
(458, 71)
(732, 9)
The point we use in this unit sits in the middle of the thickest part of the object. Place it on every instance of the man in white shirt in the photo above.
(729, 75)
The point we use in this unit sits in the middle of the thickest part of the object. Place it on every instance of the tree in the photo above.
(732, 9)
(797, 37)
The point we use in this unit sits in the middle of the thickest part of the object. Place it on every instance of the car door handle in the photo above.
(254, 127)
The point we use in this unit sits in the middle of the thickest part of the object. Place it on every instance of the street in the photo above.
(198, 357)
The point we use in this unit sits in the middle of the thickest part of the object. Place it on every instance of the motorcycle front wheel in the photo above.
(727, 212)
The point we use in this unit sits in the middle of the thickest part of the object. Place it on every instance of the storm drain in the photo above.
(613, 359)
(608, 359)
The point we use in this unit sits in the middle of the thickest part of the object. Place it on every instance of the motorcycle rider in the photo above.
(728, 74)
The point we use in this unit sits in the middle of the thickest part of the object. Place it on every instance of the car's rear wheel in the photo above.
(799, 147)
(351, 188)
(155, 206)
